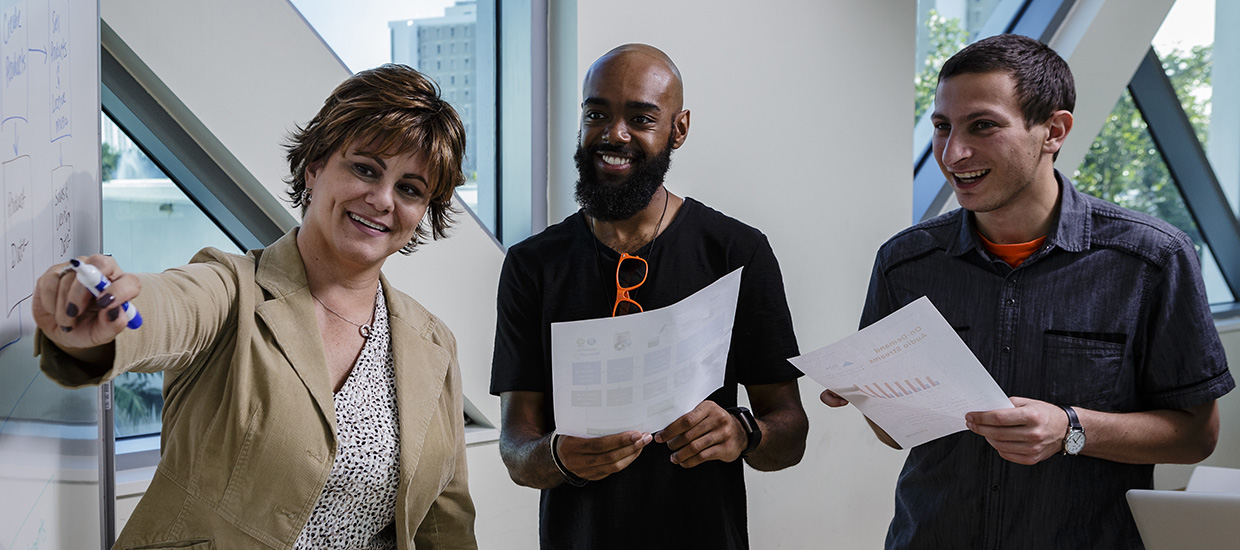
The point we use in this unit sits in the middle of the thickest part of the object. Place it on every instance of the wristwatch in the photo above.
(751, 428)
(1074, 441)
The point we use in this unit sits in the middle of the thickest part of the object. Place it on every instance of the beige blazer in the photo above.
(249, 428)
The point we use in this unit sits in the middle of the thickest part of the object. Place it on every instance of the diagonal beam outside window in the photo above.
(1190, 169)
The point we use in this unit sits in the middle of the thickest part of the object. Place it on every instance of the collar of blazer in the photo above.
(420, 357)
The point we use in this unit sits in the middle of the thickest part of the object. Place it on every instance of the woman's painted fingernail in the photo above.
(114, 313)
(105, 300)
(66, 329)
(71, 310)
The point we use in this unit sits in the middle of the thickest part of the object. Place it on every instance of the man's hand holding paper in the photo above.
(594, 458)
(1027, 434)
(909, 373)
(708, 432)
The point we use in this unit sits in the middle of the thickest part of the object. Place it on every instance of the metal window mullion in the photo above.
(522, 116)
(168, 145)
(1040, 18)
(930, 191)
(1186, 160)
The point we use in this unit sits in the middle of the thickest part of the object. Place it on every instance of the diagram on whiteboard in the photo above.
(36, 125)
(51, 482)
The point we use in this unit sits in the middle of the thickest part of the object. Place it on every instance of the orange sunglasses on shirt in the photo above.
(630, 274)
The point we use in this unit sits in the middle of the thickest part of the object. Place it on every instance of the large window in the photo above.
(1124, 164)
(943, 27)
(164, 199)
(149, 224)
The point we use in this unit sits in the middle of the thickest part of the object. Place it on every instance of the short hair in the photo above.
(1044, 82)
(395, 110)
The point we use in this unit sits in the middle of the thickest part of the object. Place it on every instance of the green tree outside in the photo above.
(947, 36)
(1123, 165)
(139, 399)
(110, 159)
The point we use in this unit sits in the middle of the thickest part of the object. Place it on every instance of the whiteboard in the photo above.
(50, 490)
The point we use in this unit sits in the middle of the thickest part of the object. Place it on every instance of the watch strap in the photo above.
(1074, 423)
(1074, 427)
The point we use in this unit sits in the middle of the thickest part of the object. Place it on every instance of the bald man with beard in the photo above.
(682, 486)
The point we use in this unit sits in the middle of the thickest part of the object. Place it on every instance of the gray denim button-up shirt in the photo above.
(1110, 315)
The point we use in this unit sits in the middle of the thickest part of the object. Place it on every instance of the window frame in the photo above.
(1190, 170)
(521, 73)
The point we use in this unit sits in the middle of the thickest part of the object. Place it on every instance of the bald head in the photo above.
(632, 118)
(643, 62)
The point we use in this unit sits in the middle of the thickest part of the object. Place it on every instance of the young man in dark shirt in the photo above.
(1093, 318)
(682, 486)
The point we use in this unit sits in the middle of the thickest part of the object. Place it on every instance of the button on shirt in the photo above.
(1109, 315)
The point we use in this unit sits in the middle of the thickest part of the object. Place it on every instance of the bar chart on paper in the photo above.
(898, 388)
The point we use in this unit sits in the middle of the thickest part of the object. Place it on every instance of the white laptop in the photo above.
(1180, 520)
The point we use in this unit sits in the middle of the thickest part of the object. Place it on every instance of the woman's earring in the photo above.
(305, 196)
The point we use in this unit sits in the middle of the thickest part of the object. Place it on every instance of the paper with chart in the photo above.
(642, 371)
(909, 373)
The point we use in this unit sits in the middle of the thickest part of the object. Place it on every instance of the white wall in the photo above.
(196, 59)
(1227, 454)
(1224, 141)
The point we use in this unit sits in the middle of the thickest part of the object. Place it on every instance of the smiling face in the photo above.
(365, 206)
(631, 120)
(993, 162)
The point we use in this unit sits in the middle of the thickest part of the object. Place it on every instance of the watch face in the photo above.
(1074, 442)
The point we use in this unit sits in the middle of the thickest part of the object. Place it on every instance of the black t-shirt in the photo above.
(564, 274)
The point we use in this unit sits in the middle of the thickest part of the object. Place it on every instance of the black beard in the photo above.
(620, 200)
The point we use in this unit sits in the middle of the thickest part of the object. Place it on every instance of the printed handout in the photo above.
(909, 373)
(642, 371)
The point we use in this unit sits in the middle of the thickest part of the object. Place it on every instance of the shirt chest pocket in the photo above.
(1081, 368)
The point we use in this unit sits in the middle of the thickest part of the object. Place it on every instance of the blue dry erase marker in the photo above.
(93, 279)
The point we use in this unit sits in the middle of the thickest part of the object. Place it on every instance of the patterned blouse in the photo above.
(358, 504)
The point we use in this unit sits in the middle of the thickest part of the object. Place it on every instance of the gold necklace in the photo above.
(364, 330)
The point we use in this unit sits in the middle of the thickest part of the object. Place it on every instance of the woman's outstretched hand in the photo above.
(72, 318)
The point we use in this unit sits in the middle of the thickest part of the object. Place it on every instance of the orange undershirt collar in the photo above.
(1013, 254)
